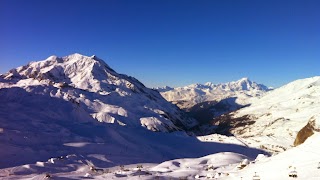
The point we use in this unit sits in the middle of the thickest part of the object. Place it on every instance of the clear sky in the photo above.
(170, 42)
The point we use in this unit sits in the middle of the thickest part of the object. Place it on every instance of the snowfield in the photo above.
(302, 161)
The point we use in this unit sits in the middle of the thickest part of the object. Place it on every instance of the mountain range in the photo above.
(207, 101)
(74, 117)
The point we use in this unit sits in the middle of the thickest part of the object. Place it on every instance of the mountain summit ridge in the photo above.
(198, 93)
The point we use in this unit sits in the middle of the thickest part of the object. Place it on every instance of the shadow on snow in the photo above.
(29, 136)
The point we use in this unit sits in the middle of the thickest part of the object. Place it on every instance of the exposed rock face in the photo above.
(306, 132)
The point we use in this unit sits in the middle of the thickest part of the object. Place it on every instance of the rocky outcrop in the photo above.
(306, 132)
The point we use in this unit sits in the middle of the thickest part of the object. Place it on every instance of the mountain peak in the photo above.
(244, 79)
(69, 58)
(209, 84)
(163, 89)
(245, 84)
(77, 70)
(77, 55)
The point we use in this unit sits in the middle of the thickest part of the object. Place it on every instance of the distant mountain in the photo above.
(91, 91)
(282, 118)
(206, 101)
(164, 89)
(198, 93)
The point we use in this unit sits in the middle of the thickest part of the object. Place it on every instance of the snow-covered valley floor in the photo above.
(114, 152)
(222, 163)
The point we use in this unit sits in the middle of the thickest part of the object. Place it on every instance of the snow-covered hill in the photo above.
(303, 161)
(273, 121)
(91, 90)
(206, 101)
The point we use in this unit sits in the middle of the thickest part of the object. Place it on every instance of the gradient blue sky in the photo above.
(170, 42)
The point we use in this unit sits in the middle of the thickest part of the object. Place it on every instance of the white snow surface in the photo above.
(193, 94)
(280, 114)
(91, 89)
(302, 161)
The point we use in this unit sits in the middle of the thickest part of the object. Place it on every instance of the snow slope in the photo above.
(36, 128)
(273, 121)
(94, 90)
(302, 161)
(27, 136)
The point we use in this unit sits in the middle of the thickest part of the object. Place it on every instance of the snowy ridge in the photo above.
(164, 89)
(243, 89)
(96, 91)
(273, 121)
(206, 101)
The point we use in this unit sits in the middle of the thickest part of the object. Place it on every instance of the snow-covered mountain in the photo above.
(198, 93)
(76, 118)
(164, 89)
(206, 101)
(94, 90)
(273, 121)
(67, 116)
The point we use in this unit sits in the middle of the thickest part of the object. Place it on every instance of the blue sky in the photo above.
(170, 42)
